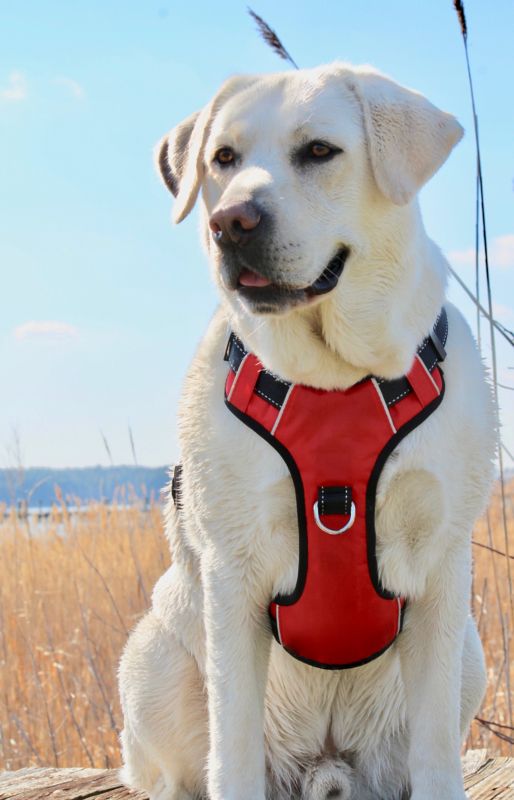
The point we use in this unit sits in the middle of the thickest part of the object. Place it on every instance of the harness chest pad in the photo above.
(335, 444)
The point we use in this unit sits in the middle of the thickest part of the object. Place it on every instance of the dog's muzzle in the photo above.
(329, 278)
(257, 289)
(242, 232)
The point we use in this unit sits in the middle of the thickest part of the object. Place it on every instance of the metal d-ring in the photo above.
(332, 531)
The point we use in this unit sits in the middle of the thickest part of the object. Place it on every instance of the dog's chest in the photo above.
(408, 526)
(255, 514)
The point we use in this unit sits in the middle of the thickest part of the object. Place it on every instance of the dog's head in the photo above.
(299, 172)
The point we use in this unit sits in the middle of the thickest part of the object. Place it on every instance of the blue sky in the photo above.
(102, 301)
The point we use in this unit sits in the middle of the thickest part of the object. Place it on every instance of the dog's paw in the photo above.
(328, 780)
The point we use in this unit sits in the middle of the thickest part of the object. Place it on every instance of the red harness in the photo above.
(335, 444)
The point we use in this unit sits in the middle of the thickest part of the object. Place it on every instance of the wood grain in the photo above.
(485, 779)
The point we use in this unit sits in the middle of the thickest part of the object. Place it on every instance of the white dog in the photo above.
(298, 171)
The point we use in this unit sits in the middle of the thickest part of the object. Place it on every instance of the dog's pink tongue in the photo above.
(250, 278)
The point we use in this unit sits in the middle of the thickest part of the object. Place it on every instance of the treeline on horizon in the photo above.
(42, 486)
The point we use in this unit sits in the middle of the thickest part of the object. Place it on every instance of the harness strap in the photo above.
(334, 499)
(273, 389)
(335, 445)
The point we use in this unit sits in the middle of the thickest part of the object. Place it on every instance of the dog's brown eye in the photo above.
(315, 151)
(320, 149)
(224, 156)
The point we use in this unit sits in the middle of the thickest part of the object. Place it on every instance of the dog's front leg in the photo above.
(238, 641)
(431, 646)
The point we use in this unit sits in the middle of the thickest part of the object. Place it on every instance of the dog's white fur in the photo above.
(213, 707)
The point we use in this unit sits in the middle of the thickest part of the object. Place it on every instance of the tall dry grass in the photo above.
(493, 601)
(69, 594)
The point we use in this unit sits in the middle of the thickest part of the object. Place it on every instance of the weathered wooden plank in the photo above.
(493, 779)
(65, 784)
(485, 779)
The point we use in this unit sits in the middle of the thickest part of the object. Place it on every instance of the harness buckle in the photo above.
(332, 531)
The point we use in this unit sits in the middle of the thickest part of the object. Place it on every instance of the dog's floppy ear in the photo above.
(408, 138)
(179, 159)
(170, 153)
(180, 154)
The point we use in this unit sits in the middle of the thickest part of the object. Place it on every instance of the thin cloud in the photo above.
(16, 88)
(503, 313)
(46, 330)
(501, 253)
(73, 86)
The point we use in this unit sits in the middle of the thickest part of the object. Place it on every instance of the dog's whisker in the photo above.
(257, 328)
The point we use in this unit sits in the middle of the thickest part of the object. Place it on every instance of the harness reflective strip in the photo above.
(236, 378)
(277, 619)
(424, 366)
(422, 382)
(384, 404)
(400, 609)
(284, 404)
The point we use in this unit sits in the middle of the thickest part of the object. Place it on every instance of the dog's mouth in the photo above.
(265, 296)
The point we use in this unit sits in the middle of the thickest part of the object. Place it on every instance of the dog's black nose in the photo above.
(236, 223)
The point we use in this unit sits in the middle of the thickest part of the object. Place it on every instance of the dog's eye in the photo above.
(317, 151)
(224, 156)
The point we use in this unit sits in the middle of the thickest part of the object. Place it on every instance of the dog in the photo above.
(299, 172)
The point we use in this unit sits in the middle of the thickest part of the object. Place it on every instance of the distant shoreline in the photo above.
(42, 487)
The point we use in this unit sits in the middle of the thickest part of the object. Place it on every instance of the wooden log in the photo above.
(65, 784)
(485, 779)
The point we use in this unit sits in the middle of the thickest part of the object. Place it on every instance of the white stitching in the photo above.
(269, 399)
(403, 394)
(276, 378)
(239, 347)
(322, 499)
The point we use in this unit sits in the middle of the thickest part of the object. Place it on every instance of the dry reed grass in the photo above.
(69, 594)
(493, 607)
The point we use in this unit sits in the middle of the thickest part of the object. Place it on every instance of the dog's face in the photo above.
(284, 171)
(298, 172)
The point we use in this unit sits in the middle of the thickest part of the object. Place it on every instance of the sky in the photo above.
(102, 301)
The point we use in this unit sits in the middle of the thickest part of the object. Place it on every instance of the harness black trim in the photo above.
(354, 664)
(273, 389)
(371, 493)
